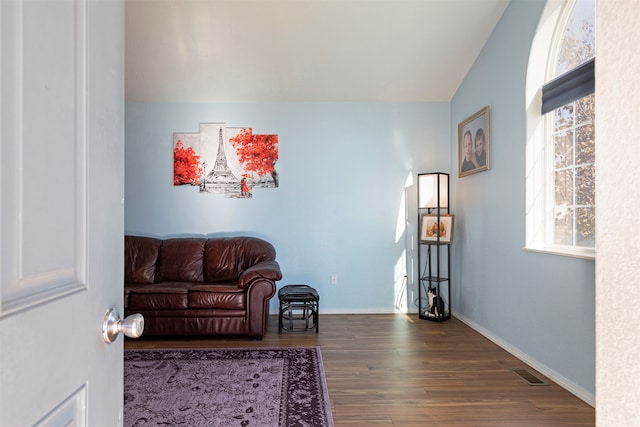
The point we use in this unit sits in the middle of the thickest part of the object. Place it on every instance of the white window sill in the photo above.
(582, 253)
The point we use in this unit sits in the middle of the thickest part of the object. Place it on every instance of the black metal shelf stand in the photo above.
(434, 263)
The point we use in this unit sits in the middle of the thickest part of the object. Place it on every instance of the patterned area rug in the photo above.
(226, 387)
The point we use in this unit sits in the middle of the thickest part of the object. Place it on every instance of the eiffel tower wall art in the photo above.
(224, 160)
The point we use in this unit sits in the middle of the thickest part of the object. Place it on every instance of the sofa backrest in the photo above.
(186, 259)
(140, 258)
(227, 257)
(181, 260)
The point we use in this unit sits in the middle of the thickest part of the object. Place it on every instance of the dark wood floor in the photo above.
(397, 370)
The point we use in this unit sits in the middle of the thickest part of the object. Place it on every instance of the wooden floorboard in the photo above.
(397, 370)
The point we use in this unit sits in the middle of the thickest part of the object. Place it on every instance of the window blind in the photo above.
(568, 87)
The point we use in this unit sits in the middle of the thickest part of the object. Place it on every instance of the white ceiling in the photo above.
(303, 50)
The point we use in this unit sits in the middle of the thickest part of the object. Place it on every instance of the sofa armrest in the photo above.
(269, 270)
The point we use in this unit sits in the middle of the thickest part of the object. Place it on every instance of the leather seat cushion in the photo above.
(167, 295)
(128, 287)
(225, 296)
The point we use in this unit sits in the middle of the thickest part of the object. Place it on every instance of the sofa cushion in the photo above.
(128, 287)
(171, 295)
(209, 295)
(180, 260)
(227, 257)
(140, 257)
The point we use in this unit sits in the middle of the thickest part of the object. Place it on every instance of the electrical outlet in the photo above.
(334, 279)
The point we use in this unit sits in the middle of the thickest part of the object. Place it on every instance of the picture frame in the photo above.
(428, 227)
(475, 128)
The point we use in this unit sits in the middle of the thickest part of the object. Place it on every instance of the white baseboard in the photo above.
(358, 311)
(563, 382)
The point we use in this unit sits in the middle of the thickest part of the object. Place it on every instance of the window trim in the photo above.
(542, 59)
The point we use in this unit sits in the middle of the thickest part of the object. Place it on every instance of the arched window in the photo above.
(560, 117)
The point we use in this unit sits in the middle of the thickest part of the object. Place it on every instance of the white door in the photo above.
(61, 217)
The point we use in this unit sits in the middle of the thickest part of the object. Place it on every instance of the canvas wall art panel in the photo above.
(225, 160)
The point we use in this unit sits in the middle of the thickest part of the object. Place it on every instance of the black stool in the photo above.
(301, 298)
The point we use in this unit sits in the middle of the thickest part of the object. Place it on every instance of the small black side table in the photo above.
(303, 300)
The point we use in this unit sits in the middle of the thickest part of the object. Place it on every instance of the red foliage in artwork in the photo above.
(257, 153)
(186, 165)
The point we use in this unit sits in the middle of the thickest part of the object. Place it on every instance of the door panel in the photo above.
(61, 200)
(44, 128)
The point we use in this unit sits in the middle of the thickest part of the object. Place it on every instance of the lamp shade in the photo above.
(428, 186)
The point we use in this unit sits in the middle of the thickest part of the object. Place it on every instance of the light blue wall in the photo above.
(540, 305)
(340, 208)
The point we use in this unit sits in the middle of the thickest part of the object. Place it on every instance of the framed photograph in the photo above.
(430, 230)
(474, 143)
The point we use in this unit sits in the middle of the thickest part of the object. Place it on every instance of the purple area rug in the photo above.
(226, 387)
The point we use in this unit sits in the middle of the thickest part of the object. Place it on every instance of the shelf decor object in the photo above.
(435, 228)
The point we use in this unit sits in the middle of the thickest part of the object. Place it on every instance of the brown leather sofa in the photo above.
(200, 286)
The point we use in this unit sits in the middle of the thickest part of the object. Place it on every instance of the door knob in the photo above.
(132, 326)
